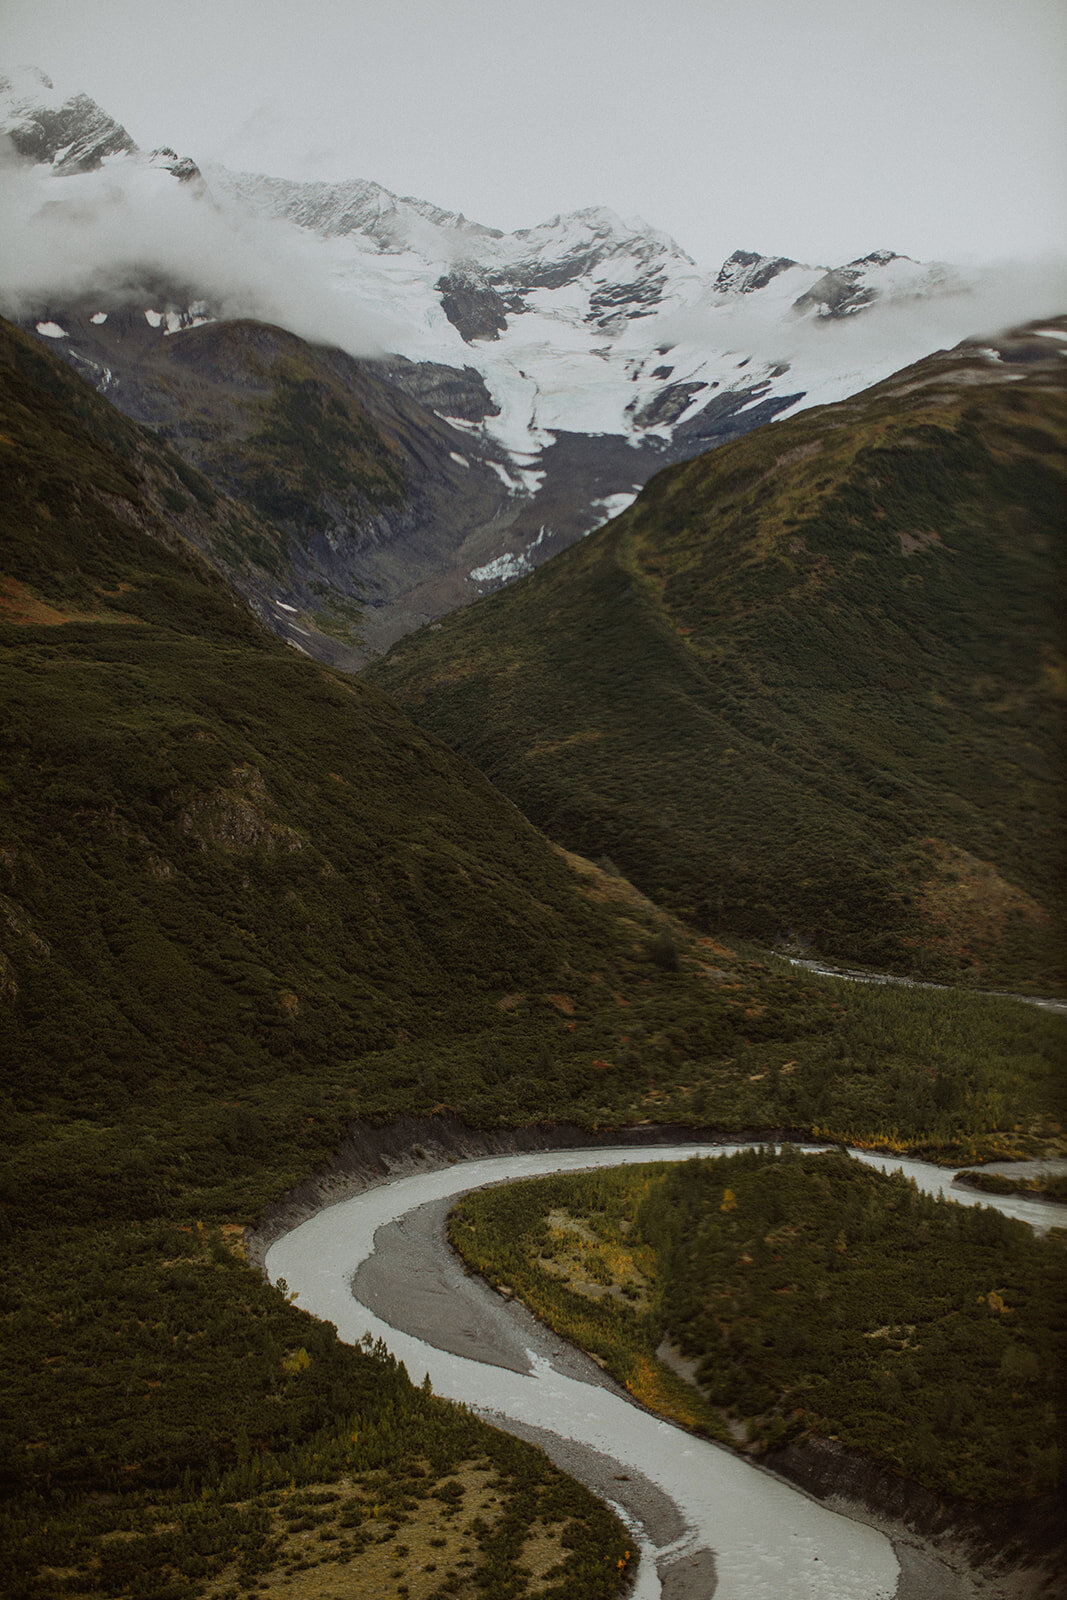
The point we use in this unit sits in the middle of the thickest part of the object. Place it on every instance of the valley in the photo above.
(484, 706)
(249, 906)
(534, 1378)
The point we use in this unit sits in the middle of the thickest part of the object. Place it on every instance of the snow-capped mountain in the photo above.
(71, 133)
(587, 323)
(572, 358)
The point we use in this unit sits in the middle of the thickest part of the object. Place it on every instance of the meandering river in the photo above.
(706, 1521)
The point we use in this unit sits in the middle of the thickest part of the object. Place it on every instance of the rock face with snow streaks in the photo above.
(472, 305)
(71, 135)
(744, 272)
(883, 274)
(568, 322)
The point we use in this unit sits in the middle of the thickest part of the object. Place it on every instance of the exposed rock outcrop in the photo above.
(472, 306)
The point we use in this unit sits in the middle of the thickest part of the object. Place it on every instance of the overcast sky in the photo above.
(819, 129)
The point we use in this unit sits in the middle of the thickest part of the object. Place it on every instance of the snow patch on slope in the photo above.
(504, 569)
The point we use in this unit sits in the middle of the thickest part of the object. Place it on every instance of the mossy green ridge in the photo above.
(808, 688)
(220, 855)
(225, 871)
(806, 1295)
(244, 901)
(60, 438)
(309, 443)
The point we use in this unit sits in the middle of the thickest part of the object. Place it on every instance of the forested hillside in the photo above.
(375, 502)
(243, 902)
(800, 1296)
(808, 689)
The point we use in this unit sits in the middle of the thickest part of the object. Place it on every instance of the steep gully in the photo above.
(364, 1247)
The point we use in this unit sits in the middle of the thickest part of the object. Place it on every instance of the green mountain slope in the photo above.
(379, 507)
(226, 869)
(243, 901)
(808, 688)
(225, 875)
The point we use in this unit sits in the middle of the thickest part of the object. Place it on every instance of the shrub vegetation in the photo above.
(243, 901)
(808, 1295)
(807, 690)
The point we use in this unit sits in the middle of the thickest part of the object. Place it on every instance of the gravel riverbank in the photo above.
(413, 1283)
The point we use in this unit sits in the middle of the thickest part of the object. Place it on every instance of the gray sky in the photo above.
(819, 129)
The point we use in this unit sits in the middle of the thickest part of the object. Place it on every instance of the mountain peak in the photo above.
(878, 258)
(745, 271)
(28, 85)
(71, 134)
(843, 291)
(184, 168)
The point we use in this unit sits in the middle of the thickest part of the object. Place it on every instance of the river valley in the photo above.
(707, 1522)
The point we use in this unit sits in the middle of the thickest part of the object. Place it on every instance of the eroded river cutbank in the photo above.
(364, 1247)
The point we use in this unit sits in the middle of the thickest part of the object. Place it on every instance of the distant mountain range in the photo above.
(564, 363)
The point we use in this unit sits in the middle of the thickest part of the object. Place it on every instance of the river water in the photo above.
(769, 1540)
(857, 975)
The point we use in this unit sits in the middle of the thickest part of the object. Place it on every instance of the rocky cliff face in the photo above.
(844, 291)
(70, 135)
(744, 272)
(472, 305)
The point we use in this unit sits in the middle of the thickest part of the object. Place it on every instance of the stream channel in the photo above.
(706, 1521)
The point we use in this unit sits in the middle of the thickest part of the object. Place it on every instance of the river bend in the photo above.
(707, 1522)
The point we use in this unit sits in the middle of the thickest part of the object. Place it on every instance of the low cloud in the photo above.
(131, 229)
(971, 301)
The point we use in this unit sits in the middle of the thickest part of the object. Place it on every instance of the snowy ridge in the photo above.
(72, 134)
(577, 355)
(744, 272)
(585, 323)
(356, 206)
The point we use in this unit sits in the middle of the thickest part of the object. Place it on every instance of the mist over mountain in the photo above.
(572, 359)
